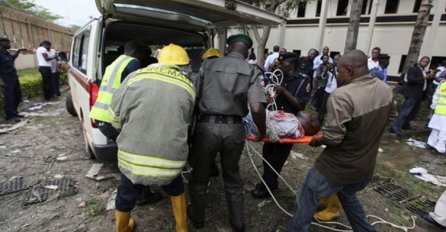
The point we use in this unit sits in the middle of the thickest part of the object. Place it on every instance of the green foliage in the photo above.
(30, 7)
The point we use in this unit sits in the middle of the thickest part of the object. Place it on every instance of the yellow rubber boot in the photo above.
(124, 223)
(332, 211)
(179, 212)
(323, 203)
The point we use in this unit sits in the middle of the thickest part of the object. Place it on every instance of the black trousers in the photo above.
(56, 83)
(276, 154)
(210, 138)
(323, 107)
(128, 192)
(47, 82)
(12, 94)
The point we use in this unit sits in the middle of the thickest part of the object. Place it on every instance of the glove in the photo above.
(317, 139)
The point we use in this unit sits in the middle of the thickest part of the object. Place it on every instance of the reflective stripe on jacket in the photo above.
(440, 108)
(110, 83)
(153, 108)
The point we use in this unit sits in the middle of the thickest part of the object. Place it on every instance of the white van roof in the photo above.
(192, 14)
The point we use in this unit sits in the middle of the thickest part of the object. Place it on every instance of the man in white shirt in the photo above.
(271, 58)
(44, 60)
(373, 61)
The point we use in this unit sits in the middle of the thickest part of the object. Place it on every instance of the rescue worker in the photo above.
(292, 96)
(153, 109)
(9, 81)
(228, 85)
(115, 74)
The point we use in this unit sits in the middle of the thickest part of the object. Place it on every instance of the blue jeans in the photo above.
(315, 188)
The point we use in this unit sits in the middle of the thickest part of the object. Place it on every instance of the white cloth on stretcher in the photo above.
(279, 125)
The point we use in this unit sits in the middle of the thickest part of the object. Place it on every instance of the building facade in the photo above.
(392, 30)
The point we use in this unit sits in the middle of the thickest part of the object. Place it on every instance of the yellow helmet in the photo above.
(211, 52)
(173, 54)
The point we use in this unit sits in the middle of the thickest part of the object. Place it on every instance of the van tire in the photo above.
(69, 105)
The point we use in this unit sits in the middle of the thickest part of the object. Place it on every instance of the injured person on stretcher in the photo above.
(282, 125)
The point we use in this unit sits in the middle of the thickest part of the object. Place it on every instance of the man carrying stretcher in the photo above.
(292, 96)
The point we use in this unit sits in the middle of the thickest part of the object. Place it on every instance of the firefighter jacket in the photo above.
(153, 109)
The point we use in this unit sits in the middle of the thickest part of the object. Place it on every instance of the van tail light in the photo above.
(94, 91)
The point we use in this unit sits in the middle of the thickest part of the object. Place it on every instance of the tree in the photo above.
(30, 7)
(272, 7)
(418, 34)
(353, 26)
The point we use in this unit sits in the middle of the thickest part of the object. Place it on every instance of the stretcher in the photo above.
(302, 140)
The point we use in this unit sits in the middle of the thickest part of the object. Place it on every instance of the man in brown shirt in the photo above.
(355, 123)
(225, 88)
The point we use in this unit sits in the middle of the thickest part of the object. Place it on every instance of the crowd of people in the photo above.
(138, 102)
(51, 66)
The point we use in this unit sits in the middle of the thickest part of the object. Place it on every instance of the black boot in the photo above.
(260, 192)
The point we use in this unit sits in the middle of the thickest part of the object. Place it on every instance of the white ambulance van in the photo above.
(188, 23)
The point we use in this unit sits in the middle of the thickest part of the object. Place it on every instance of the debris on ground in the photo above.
(14, 185)
(36, 106)
(93, 173)
(111, 201)
(415, 143)
(35, 114)
(294, 155)
(51, 190)
(422, 174)
(61, 157)
(5, 128)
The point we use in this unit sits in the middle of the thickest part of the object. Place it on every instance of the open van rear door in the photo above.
(188, 14)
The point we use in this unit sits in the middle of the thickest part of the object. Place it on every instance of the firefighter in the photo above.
(134, 53)
(153, 109)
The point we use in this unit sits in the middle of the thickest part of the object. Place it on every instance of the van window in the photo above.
(80, 51)
(84, 52)
(76, 51)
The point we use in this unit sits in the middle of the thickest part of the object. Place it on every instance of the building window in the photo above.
(301, 9)
(342, 7)
(416, 6)
(391, 7)
(370, 6)
(318, 8)
(403, 59)
(334, 53)
(297, 52)
(436, 60)
(364, 7)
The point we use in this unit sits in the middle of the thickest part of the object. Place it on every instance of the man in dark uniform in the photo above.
(9, 81)
(293, 95)
(305, 67)
(227, 86)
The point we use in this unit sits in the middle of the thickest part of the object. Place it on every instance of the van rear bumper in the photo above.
(105, 153)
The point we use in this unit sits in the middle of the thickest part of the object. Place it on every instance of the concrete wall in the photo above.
(25, 61)
(28, 31)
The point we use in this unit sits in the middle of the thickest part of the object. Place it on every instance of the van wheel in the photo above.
(69, 105)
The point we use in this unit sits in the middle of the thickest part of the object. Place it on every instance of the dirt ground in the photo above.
(31, 152)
